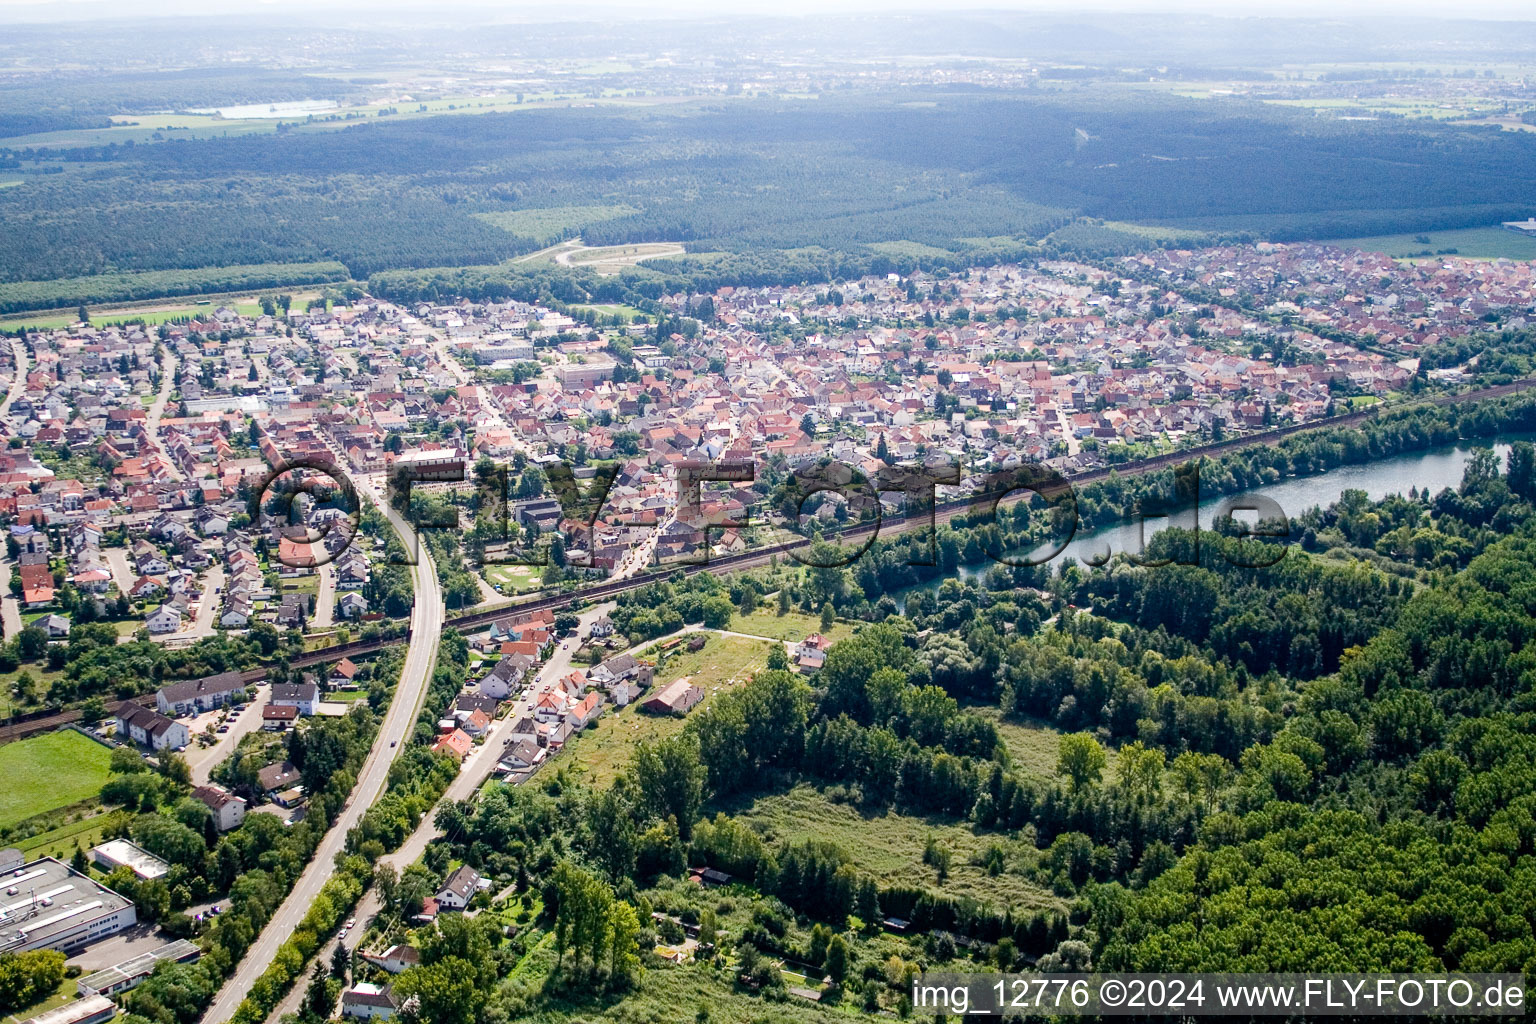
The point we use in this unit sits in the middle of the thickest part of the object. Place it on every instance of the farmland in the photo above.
(1479, 243)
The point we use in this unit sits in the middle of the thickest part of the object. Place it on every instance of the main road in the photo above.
(399, 722)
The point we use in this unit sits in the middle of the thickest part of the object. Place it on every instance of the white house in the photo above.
(298, 695)
(228, 810)
(149, 728)
(458, 889)
(364, 1001)
(165, 619)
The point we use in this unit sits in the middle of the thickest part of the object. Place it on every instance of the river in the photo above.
(1432, 469)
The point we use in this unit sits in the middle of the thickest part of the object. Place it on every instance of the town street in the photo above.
(426, 626)
(157, 408)
(476, 769)
(325, 600)
(19, 381)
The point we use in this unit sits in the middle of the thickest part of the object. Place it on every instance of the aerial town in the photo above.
(134, 450)
(138, 469)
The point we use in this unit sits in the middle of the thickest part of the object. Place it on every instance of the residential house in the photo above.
(149, 728)
(228, 810)
(365, 1001)
(202, 694)
(458, 889)
(299, 695)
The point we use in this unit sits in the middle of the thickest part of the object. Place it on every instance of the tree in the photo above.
(837, 960)
(27, 977)
(341, 962)
(446, 991)
(1140, 769)
(318, 1002)
(83, 314)
(828, 618)
(1522, 469)
(623, 953)
(670, 779)
(1080, 759)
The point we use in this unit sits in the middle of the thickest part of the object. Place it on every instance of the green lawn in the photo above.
(890, 846)
(1481, 243)
(49, 771)
(514, 578)
(793, 626)
(601, 752)
(346, 696)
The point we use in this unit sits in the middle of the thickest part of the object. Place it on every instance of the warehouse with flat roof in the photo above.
(111, 980)
(47, 905)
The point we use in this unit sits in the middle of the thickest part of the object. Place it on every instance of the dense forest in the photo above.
(757, 189)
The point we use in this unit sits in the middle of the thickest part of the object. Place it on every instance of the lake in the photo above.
(1432, 469)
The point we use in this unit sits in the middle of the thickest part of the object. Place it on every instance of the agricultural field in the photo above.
(1479, 243)
(601, 753)
(19, 296)
(792, 626)
(890, 846)
(49, 771)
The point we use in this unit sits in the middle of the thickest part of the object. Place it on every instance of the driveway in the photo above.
(202, 760)
(325, 600)
(122, 572)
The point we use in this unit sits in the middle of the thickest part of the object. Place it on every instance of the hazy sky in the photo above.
(42, 10)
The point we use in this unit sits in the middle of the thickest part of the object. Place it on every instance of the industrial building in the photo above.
(112, 980)
(90, 1010)
(47, 905)
(120, 853)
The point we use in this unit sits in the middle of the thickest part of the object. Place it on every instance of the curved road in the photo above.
(399, 721)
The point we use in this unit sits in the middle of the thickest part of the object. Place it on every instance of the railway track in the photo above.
(894, 526)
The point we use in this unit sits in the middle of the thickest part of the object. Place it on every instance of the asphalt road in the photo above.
(476, 769)
(19, 381)
(426, 626)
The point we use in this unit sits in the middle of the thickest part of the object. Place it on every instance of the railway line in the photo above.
(893, 526)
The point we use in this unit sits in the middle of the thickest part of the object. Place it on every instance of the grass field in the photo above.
(601, 753)
(792, 626)
(157, 311)
(49, 771)
(613, 309)
(548, 224)
(1478, 243)
(906, 248)
(890, 846)
(155, 284)
(61, 996)
(1032, 747)
(60, 843)
(514, 578)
